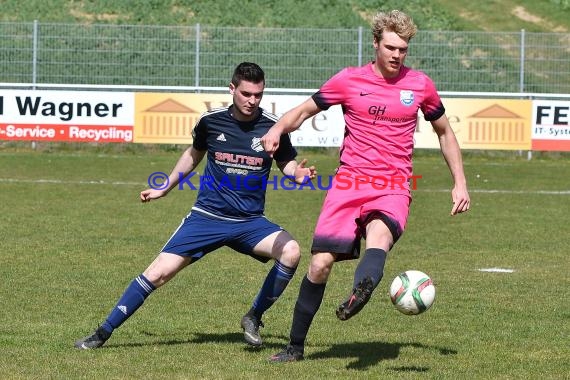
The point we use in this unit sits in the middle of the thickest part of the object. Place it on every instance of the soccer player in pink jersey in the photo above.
(370, 196)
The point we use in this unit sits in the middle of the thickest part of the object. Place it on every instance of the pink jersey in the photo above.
(380, 116)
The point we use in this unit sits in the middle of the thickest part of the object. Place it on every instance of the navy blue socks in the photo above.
(133, 297)
(274, 285)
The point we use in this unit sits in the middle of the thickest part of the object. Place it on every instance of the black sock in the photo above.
(371, 265)
(307, 305)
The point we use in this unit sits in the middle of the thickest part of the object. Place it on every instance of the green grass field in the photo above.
(73, 236)
(487, 15)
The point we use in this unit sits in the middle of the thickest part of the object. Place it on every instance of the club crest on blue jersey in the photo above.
(406, 97)
(256, 144)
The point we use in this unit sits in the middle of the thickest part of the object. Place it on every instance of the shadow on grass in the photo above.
(201, 338)
(238, 338)
(368, 354)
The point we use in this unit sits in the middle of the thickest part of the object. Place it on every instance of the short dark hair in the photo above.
(248, 71)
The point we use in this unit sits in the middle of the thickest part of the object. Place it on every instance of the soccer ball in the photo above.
(412, 292)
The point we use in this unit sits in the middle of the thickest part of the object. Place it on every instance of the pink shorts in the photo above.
(347, 211)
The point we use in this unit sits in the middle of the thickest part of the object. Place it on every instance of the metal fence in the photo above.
(204, 56)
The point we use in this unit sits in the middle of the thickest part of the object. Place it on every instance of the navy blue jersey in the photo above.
(235, 178)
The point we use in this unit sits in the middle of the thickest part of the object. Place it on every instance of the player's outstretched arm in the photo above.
(452, 154)
(187, 162)
(299, 171)
(289, 122)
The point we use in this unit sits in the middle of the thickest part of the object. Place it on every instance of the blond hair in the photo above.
(393, 21)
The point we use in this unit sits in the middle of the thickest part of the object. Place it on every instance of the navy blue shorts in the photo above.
(198, 235)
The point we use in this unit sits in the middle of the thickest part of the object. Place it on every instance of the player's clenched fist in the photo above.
(270, 141)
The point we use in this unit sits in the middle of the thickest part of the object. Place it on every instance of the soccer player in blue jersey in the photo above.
(229, 210)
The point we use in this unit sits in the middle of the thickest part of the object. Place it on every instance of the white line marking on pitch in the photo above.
(63, 182)
(489, 191)
(496, 270)
(120, 183)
